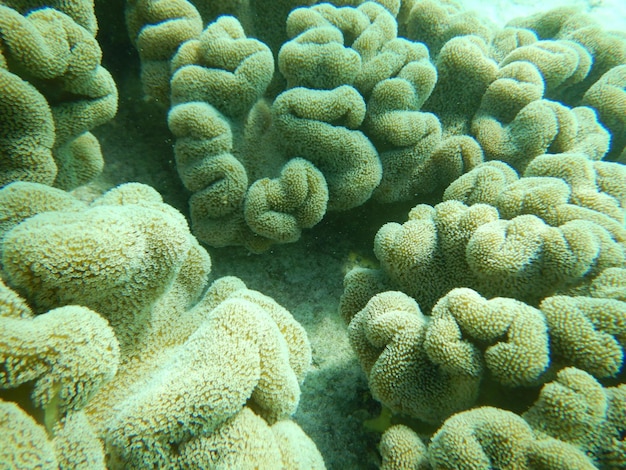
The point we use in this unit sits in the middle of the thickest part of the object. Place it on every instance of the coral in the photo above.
(28, 112)
(76, 444)
(351, 107)
(402, 449)
(465, 71)
(238, 356)
(589, 332)
(117, 241)
(58, 91)
(608, 97)
(483, 437)
(327, 136)
(157, 29)
(52, 365)
(222, 67)
(25, 443)
(513, 126)
(388, 335)
(278, 209)
(577, 409)
(495, 313)
(516, 336)
(225, 68)
(488, 437)
(63, 372)
(607, 50)
(435, 23)
(237, 353)
(556, 188)
(452, 244)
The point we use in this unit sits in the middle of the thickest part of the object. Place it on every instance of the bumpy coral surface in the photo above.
(471, 174)
(54, 92)
(126, 354)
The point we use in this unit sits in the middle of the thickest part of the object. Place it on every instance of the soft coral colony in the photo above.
(115, 351)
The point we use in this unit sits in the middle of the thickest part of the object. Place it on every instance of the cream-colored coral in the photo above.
(553, 454)
(228, 349)
(243, 441)
(124, 256)
(76, 444)
(557, 188)
(402, 449)
(481, 438)
(610, 284)
(67, 354)
(360, 284)
(158, 28)
(247, 441)
(524, 258)
(238, 355)
(488, 437)
(483, 184)
(297, 449)
(425, 256)
(81, 11)
(595, 194)
(388, 336)
(317, 57)
(25, 443)
(21, 200)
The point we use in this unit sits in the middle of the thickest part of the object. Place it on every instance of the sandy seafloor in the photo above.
(305, 277)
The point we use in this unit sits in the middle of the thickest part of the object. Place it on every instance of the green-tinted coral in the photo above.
(575, 408)
(388, 335)
(158, 29)
(222, 67)
(279, 209)
(320, 125)
(590, 333)
(514, 337)
(57, 93)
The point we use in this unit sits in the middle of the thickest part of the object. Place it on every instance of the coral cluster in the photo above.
(116, 354)
(493, 324)
(520, 270)
(54, 91)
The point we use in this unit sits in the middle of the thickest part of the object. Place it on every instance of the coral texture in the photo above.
(112, 380)
(466, 179)
(54, 92)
